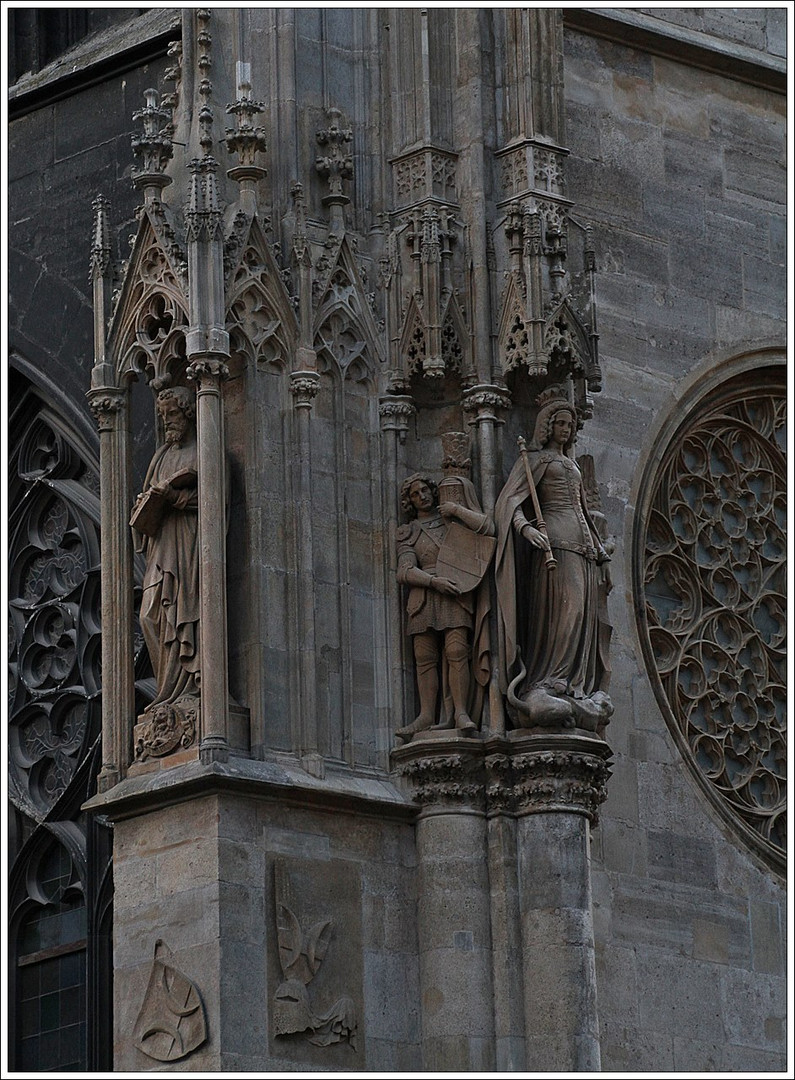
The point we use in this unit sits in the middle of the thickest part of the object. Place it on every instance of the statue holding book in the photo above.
(165, 526)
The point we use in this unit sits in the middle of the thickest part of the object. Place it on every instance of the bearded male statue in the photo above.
(165, 524)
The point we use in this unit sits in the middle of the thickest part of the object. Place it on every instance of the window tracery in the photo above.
(714, 608)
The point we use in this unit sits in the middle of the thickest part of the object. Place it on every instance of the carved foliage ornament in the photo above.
(713, 580)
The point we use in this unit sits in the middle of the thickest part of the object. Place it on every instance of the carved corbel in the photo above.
(106, 403)
(304, 386)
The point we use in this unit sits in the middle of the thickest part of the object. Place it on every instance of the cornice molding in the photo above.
(693, 47)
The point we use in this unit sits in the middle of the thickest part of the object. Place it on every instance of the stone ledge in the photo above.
(693, 47)
(284, 781)
(114, 50)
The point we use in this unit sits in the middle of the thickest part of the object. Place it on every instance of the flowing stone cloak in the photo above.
(548, 620)
(170, 604)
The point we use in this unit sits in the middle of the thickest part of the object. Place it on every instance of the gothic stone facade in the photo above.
(352, 232)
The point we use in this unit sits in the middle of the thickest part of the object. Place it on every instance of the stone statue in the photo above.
(551, 584)
(165, 523)
(446, 610)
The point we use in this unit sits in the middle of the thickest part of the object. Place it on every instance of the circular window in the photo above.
(710, 574)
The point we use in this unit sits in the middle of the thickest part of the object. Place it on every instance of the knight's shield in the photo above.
(171, 1022)
(464, 556)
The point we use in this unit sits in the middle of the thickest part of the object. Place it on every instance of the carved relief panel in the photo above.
(314, 962)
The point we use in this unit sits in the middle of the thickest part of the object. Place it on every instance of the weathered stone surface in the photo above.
(679, 173)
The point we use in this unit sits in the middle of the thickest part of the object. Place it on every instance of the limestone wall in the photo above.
(682, 174)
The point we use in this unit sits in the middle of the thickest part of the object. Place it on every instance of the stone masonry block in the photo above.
(622, 792)
(680, 995)
(624, 847)
(392, 1002)
(762, 178)
(710, 941)
(453, 979)
(635, 1049)
(694, 267)
(691, 1055)
(616, 983)
(766, 936)
(748, 1060)
(242, 912)
(754, 1008)
(192, 863)
(764, 285)
(693, 166)
(181, 921)
(776, 31)
(680, 858)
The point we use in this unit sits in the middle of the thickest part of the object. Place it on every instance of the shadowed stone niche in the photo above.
(711, 578)
(315, 968)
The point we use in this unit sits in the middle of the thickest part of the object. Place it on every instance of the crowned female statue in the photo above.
(551, 583)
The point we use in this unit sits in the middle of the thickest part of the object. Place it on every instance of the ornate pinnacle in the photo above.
(337, 164)
(100, 241)
(203, 213)
(246, 139)
(300, 242)
(153, 146)
(204, 41)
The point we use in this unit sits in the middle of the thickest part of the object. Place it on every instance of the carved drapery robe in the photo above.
(549, 626)
(170, 603)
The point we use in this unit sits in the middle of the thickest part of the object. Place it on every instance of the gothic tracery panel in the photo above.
(714, 619)
(54, 607)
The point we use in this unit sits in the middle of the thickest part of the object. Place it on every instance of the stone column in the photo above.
(209, 371)
(110, 406)
(395, 411)
(304, 385)
(558, 784)
(453, 911)
(506, 934)
(483, 404)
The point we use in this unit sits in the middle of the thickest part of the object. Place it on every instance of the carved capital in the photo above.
(445, 775)
(208, 367)
(105, 404)
(304, 386)
(395, 412)
(485, 402)
(542, 774)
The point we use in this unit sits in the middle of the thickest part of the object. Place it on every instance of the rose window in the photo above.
(713, 618)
